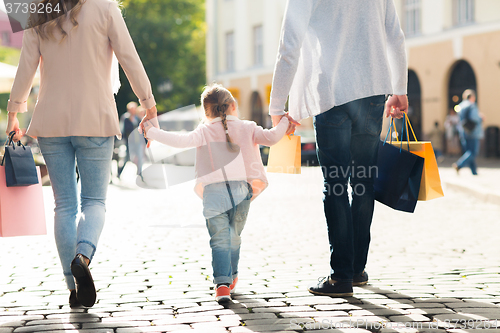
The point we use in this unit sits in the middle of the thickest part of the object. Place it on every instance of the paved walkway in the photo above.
(485, 186)
(435, 270)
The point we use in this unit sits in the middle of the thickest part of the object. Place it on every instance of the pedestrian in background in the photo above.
(75, 120)
(436, 137)
(472, 124)
(129, 121)
(137, 145)
(338, 60)
(453, 130)
(226, 189)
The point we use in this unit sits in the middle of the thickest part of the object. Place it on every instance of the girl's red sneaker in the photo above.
(222, 293)
(233, 285)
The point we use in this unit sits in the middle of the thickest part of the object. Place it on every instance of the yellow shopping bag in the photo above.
(284, 157)
(430, 185)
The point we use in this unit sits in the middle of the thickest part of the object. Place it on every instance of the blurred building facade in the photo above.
(452, 45)
(7, 37)
(242, 43)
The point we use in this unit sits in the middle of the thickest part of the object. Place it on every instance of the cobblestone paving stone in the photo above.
(436, 270)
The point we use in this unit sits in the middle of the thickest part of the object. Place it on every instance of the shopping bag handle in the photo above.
(408, 123)
(389, 130)
(10, 141)
(403, 133)
(392, 127)
(7, 143)
(407, 126)
(10, 138)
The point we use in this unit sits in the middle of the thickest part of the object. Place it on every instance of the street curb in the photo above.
(483, 195)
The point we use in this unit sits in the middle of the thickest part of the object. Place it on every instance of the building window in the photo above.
(230, 51)
(412, 15)
(463, 11)
(258, 46)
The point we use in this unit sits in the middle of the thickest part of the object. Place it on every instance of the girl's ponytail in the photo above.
(216, 100)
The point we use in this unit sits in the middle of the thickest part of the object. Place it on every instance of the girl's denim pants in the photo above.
(92, 155)
(225, 208)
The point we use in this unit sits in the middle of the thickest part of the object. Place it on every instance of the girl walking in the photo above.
(229, 172)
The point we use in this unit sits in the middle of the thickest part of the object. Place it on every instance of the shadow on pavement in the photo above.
(72, 321)
(372, 309)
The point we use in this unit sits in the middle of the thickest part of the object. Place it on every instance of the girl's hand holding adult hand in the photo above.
(13, 126)
(292, 123)
(148, 124)
(149, 120)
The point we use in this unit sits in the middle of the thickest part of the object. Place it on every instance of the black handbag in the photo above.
(399, 173)
(20, 169)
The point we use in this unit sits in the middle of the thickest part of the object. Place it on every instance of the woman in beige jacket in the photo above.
(75, 120)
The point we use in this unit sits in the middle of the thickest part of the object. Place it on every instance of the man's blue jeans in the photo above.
(226, 214)
(93, 157)
(469, 157)
(347, 139)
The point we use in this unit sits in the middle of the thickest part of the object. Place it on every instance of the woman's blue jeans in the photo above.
(92, 155)
(226, 213)
(347, 138)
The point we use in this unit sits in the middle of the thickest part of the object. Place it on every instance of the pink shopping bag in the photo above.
(22, 210)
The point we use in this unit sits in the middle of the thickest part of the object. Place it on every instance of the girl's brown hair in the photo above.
(216, 100)
(46, 22)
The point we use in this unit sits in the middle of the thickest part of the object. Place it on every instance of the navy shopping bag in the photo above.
(20, 169)
(399, 173)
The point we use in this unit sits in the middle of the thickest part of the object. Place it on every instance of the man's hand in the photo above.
(396, 106)
(292, 123)
(149, 120)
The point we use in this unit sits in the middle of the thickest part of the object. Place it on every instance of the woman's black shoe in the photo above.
(73, 300)
(85, 289)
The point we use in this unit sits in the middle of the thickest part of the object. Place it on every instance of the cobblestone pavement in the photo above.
(436, 270)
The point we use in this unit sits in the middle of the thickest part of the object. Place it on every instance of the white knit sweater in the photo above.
(335, 51)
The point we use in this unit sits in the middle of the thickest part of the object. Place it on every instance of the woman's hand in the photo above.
(149, 120)
(13, 126)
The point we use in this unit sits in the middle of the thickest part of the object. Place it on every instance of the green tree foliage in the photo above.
(169, 36)
(9, 55)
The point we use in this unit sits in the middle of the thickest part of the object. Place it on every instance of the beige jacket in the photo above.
(76, 97)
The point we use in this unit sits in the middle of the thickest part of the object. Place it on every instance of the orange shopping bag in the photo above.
(284, 157)
(430, 185)
(21, 208)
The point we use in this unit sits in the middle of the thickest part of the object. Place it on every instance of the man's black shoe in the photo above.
(329, 287)
(360, 279)
(85, 289)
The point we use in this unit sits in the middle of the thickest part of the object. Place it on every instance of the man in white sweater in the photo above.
(338, 60)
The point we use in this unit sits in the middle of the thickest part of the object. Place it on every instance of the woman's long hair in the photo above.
(45, 23)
